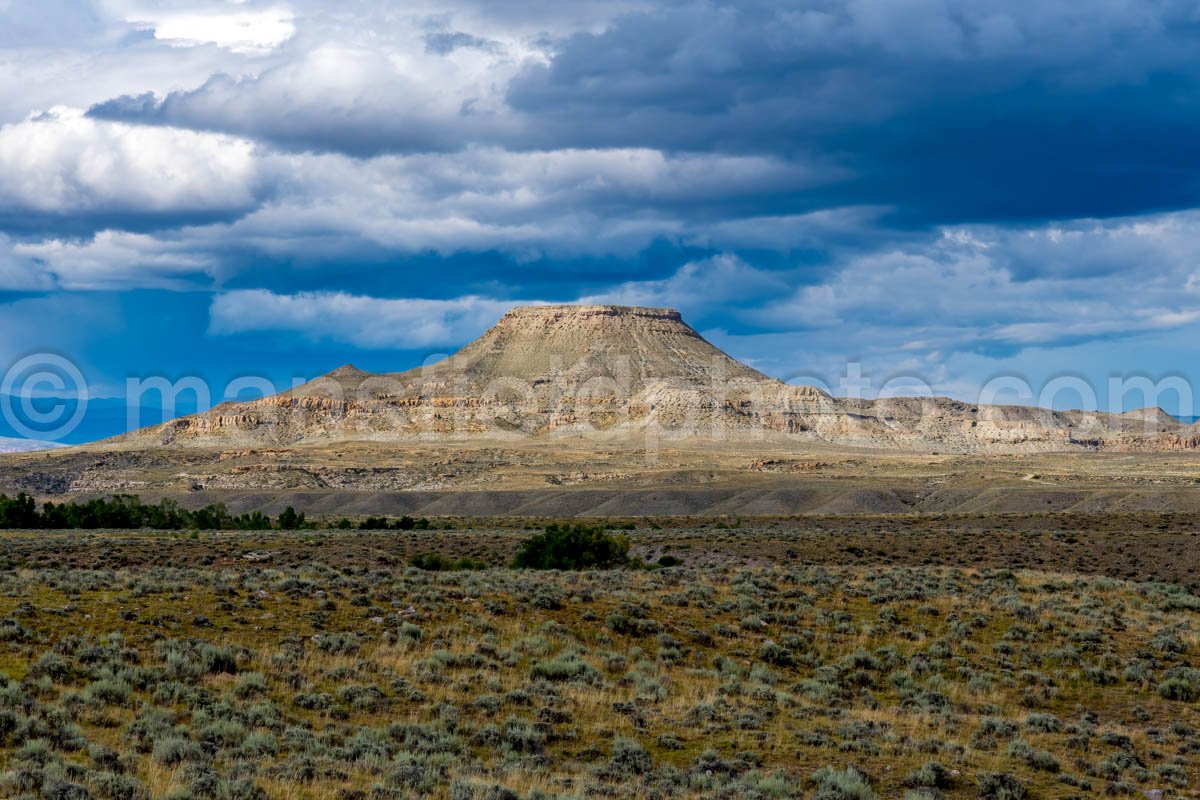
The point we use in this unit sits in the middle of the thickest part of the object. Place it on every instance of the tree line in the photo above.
(124, 511)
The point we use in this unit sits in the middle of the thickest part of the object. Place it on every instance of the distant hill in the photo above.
(609, 372)
(608, 410)
(9, 444)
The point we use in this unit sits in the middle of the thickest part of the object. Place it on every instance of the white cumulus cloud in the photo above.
(530, 204)
(242, 31)
(62, 162)
(720, 280)
(116, 260)
(368, 322)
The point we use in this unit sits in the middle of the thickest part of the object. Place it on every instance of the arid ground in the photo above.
(583, 478)
(1037, 655)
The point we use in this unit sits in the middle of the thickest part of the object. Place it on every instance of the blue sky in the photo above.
(949, 190)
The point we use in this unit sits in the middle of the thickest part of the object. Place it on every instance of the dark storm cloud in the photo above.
(949, 111)
(1035, 152)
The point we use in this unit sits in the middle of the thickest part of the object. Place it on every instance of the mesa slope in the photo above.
(616, 372)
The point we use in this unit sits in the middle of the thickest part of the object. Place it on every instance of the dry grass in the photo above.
(336, 675)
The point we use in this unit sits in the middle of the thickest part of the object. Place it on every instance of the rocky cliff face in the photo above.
(609, 372)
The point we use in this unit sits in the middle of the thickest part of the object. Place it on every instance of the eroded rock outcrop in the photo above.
(606, 371)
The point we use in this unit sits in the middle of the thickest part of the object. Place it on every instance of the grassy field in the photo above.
(316, 664)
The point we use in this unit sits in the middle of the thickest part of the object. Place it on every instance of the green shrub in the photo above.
(405, 523)
(1038, 759)
(175, 750)
(109, 691)
(408, 634)
(629, 758)
(1043, 723)
(289, 520)
(1000, 786)
(843, 784)
(120, 787)
(250, 684)
(776, 655)
(436, 562)
(932, 775)
(1178, 689)
(567, 668)
(573, 547)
